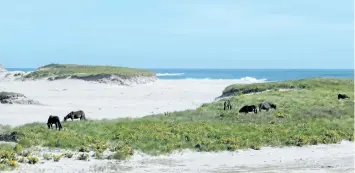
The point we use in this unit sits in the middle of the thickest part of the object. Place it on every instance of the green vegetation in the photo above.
(83, 156)
(68, 155)
(308, 116)
(47, 156)
(18, 148)
(56, 158)
(32, 159)
(238, 89)
(72, 70)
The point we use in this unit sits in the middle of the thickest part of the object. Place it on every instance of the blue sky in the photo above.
(178, 33)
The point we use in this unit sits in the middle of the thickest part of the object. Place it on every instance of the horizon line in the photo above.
(209, 68)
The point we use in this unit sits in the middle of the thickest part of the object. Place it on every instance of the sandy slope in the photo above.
(336, 158)
(107, 101)
(111, 101)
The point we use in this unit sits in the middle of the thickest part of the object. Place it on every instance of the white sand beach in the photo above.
(111, 101)
(100, 101)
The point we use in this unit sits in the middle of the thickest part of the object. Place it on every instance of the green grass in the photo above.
(311, 115)
(7, 157)
(67, 70)
(315, 83)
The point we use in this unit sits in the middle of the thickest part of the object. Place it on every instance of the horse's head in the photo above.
(68, 116)
(273, 106)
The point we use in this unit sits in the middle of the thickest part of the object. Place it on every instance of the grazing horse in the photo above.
(343, 96)
(227, 105)
(75, 115)
(248, 108)
(54, 120)
(266, 106)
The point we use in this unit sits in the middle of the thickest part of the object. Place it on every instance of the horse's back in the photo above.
(244, 108)
(79, 112)
(53, 119)
(265, 105)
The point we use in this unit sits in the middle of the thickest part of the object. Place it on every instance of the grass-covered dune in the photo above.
(80, 71)
(238, 89)
(306, 115)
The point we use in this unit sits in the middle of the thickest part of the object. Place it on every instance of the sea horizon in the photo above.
(240, 74)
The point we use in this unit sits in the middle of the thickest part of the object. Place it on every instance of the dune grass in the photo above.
(304, 116)
(315, 83)
(66, 70)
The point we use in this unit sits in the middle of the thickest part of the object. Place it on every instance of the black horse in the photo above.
(248, 108)
(227, 105)
(75, 115)
(54, 120)
(266, 106)
(343, 96)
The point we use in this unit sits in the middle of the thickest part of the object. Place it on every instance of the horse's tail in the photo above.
(83, 115)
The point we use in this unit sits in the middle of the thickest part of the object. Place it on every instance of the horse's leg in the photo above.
(60, 125)
(49, 127)
(56, 126)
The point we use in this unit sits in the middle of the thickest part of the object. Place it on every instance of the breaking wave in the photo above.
(243, 79)
(170, 74)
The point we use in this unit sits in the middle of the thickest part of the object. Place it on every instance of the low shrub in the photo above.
(32, 159)
(47, 156)
(84, 149)
(56, 158)
(123, 153)
(68, 155)
(21, 160)
(18, 148)
(83, 156)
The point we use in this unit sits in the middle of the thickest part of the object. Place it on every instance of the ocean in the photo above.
(243, 74)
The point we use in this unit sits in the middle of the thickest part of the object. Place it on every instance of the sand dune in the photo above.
(107, 101)
(111, 101)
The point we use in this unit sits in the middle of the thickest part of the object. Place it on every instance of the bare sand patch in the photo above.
(314, 159)
(100, 101)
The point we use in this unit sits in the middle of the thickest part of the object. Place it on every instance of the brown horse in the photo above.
(266, 106)
(75, 115)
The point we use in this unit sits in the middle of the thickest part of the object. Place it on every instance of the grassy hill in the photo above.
(308, 114)
(67, 70)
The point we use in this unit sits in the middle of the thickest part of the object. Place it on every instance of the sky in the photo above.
(233, 34)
